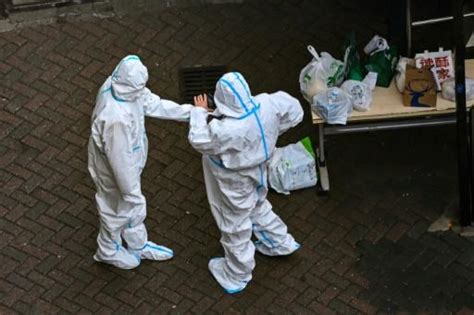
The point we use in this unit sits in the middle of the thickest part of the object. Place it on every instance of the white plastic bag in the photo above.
(401, 72)
(333, 105)
(448, 90)
(291, 168)
(360, 93)
(371, 80)
(320, 74)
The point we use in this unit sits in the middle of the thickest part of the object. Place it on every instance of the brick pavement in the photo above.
(365, 249)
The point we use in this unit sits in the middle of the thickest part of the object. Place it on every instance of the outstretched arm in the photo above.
(164, 109)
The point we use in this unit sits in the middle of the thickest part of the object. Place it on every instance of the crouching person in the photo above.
(236, 146)
(118, 149)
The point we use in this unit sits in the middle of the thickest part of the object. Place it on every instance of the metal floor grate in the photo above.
(198, 80)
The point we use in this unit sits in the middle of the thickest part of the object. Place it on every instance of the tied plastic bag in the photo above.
(376, 44)
(449, 93)
(321, 73)
(371, 80)
(333, 105)
(293, 167)
(382, 60)
(360, 93)
(401, 72)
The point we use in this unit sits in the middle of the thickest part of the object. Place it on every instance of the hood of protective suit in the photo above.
(129, 79)
(232, 96)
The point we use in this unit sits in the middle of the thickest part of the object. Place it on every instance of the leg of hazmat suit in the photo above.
(269, 228)
(128, 227)
(234, 271)
(235, 149)
(136, 237)
(239, 206)
(110, 248)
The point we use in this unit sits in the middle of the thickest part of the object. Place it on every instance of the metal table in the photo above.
(387, 112)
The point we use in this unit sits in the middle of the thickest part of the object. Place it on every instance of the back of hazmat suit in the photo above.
(118, 148)
(236, 147)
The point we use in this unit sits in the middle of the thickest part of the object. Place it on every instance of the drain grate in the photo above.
(198, 80)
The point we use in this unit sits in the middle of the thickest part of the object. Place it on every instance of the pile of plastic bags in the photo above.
(441, 65)
(335, 88)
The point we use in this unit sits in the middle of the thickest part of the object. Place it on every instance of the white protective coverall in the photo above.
(235, 151)
(118, 149)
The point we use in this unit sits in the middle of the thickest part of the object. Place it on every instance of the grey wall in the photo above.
(20, 14)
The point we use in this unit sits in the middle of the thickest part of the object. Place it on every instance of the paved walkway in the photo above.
(365, 249)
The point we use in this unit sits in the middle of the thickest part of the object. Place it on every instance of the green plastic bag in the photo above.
(383, 63)
(306, 142)
(352, 63)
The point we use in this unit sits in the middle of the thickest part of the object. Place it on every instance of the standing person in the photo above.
(236, 148)
(118, 148)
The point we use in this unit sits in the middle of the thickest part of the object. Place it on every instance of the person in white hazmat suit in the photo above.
(236, 147)
(118, 148)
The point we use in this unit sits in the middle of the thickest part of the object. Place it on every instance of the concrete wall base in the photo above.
(100, 9)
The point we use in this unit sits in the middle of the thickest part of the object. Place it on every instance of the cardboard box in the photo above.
(420, 88)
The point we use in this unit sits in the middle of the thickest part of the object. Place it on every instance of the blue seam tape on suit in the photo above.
(133, 57)
(218, 163)
(231, 87)
(259, 123)
(159, 248)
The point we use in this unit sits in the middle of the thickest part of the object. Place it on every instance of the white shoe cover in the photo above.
(231, 286)
(122, 259)
(282, 250)
(153, 251)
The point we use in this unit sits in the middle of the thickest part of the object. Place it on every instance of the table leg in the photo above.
(322, 164)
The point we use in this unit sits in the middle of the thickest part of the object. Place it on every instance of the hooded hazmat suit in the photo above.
(235, 151)
(118, 148)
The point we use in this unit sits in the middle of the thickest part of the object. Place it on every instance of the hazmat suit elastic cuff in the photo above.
(200, 133)
(198, 116)
(200, 109)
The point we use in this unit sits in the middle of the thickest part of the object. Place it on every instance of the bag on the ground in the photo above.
(293, 167)
(333, 105)
(360, 93)
(449, 93)
(321, 73)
